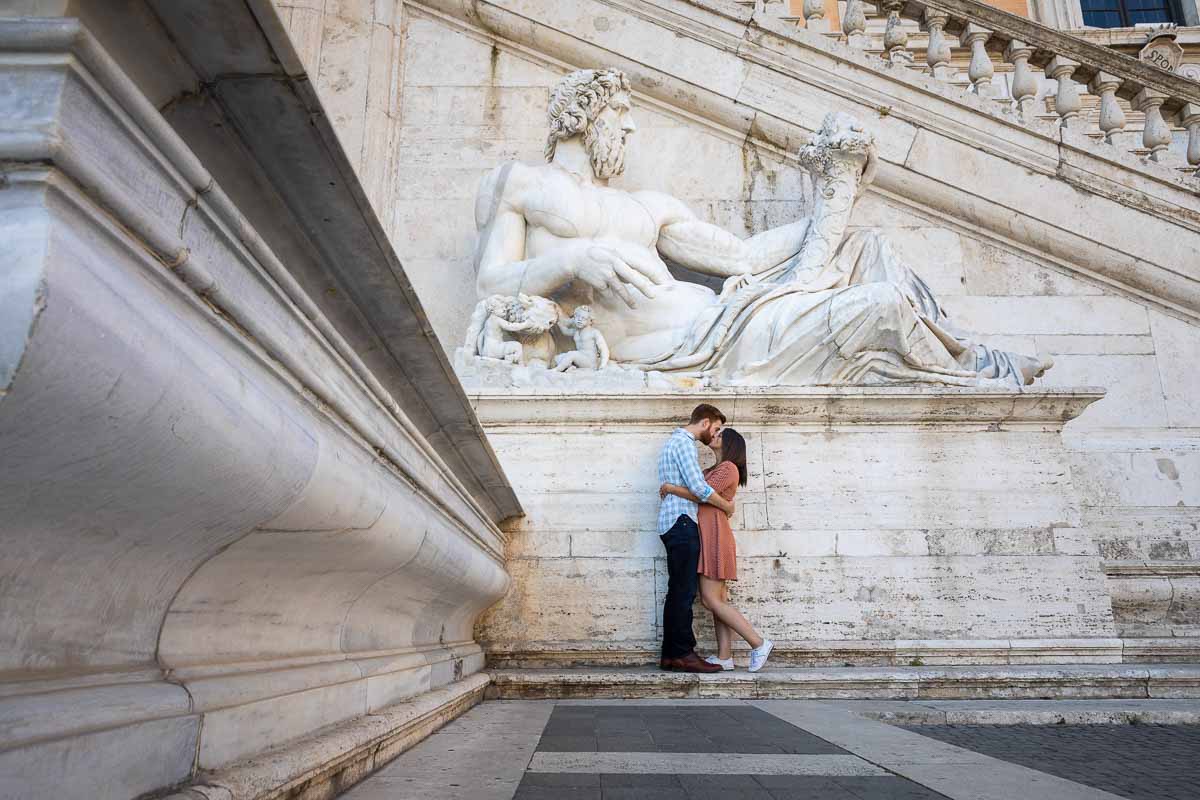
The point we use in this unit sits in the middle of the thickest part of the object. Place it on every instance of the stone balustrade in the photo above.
(1075, 64)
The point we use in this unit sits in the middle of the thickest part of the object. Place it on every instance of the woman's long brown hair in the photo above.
(733, 448)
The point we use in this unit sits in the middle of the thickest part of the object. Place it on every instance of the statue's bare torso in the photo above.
(563, 209)
(805, 310)
(555, 212)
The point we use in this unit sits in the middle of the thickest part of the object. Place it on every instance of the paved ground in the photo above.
(776, 749)
(1141, 762)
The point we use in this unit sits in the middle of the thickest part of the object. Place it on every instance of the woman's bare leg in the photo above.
(724, 639)
(713, 596)
(724, 632)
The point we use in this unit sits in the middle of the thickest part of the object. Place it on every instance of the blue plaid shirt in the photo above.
(679, 465)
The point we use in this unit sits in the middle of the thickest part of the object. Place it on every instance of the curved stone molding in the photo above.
(221, 532)
(325, 764)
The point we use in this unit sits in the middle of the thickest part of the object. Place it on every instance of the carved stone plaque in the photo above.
(1162, 51)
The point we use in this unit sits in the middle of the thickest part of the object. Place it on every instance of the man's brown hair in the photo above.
(705, 411)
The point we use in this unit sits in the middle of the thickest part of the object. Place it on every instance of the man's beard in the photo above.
(705, 437)
(606, 148)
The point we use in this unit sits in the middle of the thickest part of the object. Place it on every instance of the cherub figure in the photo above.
(591, 351)
(485, 335)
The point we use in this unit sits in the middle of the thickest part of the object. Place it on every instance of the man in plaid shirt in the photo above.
(680, 534)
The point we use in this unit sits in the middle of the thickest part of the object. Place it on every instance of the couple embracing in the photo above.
(693, 523)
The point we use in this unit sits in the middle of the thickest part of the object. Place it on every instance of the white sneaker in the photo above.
(758, 656)
(727, 664)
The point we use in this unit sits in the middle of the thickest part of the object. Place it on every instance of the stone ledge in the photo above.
(1030, 712)
(1176, 650)
(329, 763)
(835, 653)
(892, 683)
(808, 406)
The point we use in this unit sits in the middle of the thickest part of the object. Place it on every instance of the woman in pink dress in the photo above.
(718, 551)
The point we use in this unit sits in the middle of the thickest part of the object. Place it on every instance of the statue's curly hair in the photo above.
(577, 99)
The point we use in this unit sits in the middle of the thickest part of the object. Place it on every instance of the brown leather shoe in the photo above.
(689, 663)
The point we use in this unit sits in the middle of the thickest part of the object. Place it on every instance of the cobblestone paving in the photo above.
(715, 729)
(551, 786)
(1141, 762)
(664, 729)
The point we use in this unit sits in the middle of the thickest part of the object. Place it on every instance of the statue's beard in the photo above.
(606, 148)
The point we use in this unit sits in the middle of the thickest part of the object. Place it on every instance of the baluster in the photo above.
(814, 16)
(1066, 98)
(1024, 83)
(937, 54)
(1156, 134)
(1112, 117)
(854, 24)
(981, 70)
(895, 38)
(1189, 118)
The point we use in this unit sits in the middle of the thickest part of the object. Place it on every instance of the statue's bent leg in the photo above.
(867, 257)
(881, 338)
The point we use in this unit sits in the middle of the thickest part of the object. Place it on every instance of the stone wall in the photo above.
(225, 529)
(878, 526)
(473, 98)
(353, 53)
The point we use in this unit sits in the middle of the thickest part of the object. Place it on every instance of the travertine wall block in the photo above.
(847, 532)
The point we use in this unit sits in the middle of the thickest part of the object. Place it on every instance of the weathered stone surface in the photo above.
(188, 388)
(848, 531)
(802, 303)
(899, 683)
(203, 482)
(782, 89)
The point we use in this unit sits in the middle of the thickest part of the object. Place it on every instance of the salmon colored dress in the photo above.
(718, 550)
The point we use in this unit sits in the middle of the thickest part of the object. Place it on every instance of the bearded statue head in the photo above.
(576, 107)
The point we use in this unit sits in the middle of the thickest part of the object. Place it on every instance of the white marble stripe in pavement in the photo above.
(955, 772)
(702, 764)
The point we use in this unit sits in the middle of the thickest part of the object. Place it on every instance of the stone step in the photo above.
(1102, 681)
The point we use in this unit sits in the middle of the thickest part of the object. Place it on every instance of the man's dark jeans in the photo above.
(683, 557)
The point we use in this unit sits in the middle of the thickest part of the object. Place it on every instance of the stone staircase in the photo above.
(1040, 72)
(1078, 681)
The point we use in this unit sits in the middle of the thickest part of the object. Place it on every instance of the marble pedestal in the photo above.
(880, 526)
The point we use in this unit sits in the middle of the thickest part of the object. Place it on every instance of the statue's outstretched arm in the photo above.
(706, 248)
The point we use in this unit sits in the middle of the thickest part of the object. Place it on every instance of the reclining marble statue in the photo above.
(802, 304)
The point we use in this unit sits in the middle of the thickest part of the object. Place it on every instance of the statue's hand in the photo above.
(607, 268)
(736, 283)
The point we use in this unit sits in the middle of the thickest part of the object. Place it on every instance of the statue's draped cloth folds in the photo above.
(810, 302)
(865, 318)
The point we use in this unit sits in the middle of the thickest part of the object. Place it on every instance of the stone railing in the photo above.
(1074, 63)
